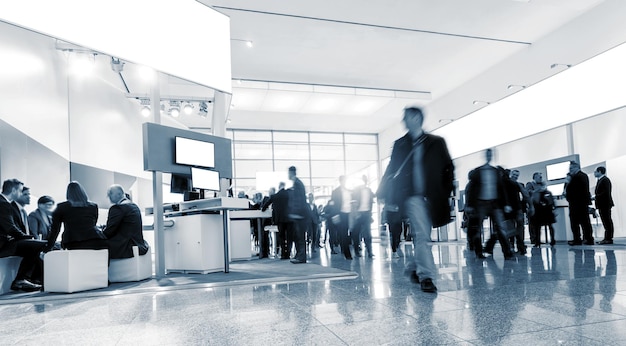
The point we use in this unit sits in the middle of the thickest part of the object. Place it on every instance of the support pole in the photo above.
(157, 188)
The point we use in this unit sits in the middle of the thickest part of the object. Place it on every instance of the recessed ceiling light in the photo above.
(188, 108)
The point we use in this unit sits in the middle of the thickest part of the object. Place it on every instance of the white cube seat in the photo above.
(136, 268)
(8, 271)
(75, 270)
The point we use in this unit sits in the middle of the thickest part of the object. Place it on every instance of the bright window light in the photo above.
(134, 31)
(590, 88)
(19, 64)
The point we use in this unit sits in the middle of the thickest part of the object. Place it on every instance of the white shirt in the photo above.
(346, 199)
(365, 199)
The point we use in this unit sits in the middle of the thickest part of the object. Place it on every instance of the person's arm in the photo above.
(33, 225)
(57, 218)
(113, 221)
(268, 202)
(8, 224)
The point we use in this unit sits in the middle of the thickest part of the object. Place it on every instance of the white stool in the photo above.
(8, 271)
(136, 268)
(75, 270)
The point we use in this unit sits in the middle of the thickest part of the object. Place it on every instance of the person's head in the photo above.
(116, 193)
(413, 120)
(488, 155)
(272, 191)
(241, 194)
(599, 172)
(281, 185)
(12, 188)
(537, 177)
(76, 195)
(258, 197)
(292, 173)
(574, 167)
(364, 177)
(342, 181)
(45, 204)
(24, 198)
(514, 175)
(311, 198)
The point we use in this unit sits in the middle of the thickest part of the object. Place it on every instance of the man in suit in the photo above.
(40, 220)
(20, 215)
(341, 202)
(364, 199)
(314, 226)
(418, 182)
(604, 203)
(14, 242)
(299, 215)
(579, 199)
(279, 202)
(124, 228)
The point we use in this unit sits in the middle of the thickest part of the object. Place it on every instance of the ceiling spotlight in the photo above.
(556, 65)
(203, 109)
(188, 108)
(477, 102)
(249, 44)
(145, 109)
(174, 108)
(117, 65)
(513, 86)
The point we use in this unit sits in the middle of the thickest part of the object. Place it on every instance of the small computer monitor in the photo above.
(556, 189)
(192, 152)
(179, 184)
(205, 179)
(558, 170)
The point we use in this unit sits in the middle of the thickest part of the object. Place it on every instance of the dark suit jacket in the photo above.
(476, 184)
(280, 205)
(438, 176)
(297, 201)
(79, 223)
(577, 190)
(124, 230)
(8, 229)
(337, 198)
(604, 200)
(38, 226)
(315, 214)
(17, 217)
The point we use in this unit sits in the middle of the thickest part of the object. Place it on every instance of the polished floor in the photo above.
(552, 296)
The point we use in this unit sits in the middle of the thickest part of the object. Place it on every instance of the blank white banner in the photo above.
(182, 38)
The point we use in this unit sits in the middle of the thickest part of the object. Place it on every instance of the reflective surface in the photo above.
(551, 296)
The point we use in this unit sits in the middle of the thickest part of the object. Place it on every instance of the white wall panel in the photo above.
(539, 147)
(600, 138)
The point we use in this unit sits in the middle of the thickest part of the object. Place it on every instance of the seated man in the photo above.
(124, 228)
(15, 242)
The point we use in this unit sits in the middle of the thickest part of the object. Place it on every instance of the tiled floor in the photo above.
(551, 296)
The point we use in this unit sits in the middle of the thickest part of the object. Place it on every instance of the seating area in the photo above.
(69, 271)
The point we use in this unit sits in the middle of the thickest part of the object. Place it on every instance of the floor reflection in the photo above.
(548, 296)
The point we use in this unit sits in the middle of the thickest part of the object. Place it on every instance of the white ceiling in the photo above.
(389, 47)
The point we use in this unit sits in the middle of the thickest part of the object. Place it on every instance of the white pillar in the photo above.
(157, 188)
(221, 105)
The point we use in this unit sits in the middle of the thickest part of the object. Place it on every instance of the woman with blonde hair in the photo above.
(79, 217)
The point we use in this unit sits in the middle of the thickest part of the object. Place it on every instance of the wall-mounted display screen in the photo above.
(194, 153)
(557, 170)
(556, 189)
(205, 179)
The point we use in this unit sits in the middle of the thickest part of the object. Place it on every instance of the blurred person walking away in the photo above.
(418, 183)
(341, 202)
(280, 217)
(579, 199)
(521, 204)
(299, 215)
(543, 200)
(364, 199)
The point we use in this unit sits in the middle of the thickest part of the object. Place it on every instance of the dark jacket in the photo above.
(37, 224)
(8, 229)
(336, 198)
(298, 206)
(438, 176)
(473, 192)
(17, 216)
(280, 204)
(577, 190)
(124, 230)
(79, 224)
(315, 214)
(604, 200)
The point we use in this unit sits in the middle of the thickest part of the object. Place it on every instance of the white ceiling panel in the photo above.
(284, 101)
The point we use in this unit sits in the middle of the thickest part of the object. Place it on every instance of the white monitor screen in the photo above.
(195, 153)
(205, 179)
(557, 170)
(556, 189)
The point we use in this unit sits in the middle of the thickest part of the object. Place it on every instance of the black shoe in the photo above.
(481, 256)
(552, 243)
(415, 278)
(605, 242)
(589, 242)
(295, 261)
(358, 254)
(522, 251)
(575, 242)
(370, 255)
(427, 285)
(349, 258)
(333, 252)
(284, 258)
(25, 285)
(489, 251)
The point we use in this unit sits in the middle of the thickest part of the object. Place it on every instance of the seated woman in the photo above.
(79, 217)
(40, 220)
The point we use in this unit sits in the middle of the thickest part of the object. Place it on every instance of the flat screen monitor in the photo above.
(205, 179)
(556, 189)
(194, 153)
(179, 184)
(557, 170)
